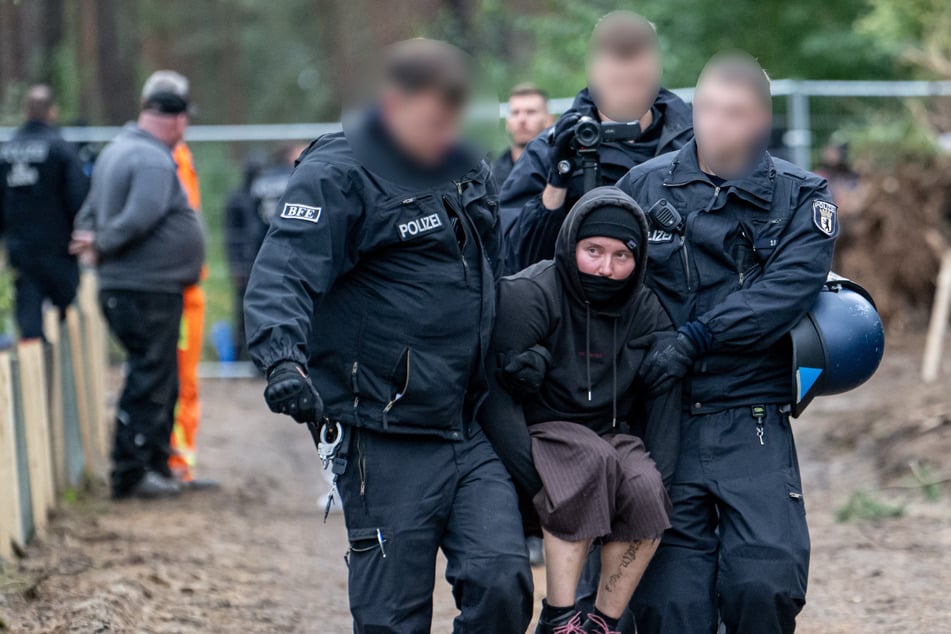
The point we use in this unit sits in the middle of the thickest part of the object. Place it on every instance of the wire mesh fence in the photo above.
(808, 115)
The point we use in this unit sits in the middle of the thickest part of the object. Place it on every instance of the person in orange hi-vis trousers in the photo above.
(188, 409)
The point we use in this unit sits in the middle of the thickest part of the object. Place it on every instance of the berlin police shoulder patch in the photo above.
(825, 216)
(301, 212)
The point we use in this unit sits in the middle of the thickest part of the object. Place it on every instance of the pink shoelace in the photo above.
(571, 627)
(597, 620)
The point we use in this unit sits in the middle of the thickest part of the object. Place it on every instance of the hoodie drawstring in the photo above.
(587, 344)
(614, 373)
(587, 360)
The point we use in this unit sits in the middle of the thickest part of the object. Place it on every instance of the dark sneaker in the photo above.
(154, 485)
(567, 624)
(594, 624)
(536, 551)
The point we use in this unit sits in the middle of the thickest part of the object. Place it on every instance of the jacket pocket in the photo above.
(427, 386)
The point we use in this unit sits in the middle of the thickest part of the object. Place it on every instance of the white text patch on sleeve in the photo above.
(301, 212)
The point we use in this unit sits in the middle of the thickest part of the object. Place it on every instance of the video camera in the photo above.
(589, 133)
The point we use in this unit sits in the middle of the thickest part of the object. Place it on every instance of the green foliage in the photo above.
(808, 39)
(6, 300)
(863, 505)
(889, 140)
(918, 31)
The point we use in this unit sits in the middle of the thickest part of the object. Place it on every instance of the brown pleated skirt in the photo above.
(597, 487)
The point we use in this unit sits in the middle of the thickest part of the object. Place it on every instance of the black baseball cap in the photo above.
(166, 92)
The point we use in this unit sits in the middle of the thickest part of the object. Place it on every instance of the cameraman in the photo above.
(624, 77)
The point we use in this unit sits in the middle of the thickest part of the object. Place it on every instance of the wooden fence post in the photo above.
(36, 427)
(11, 523)
(96, 338)
(51, 330)
(87, 433)
(938, 326)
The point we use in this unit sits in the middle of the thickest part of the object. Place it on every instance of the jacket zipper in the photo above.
(716, 194)
(399, 395)
(465, 232)
(685, 256)
(353, 384)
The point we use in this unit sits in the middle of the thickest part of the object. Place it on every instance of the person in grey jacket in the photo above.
(137, 227)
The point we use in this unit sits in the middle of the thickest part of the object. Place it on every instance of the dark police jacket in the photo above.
(750, 264)
(531, 229)
(381, 283)
(42, 187)
(248, 215)
(595, 354)
(502, 166)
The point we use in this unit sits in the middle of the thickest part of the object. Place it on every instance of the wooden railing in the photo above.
(55, 428)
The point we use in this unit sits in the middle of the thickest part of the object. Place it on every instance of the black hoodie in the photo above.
(595, 354)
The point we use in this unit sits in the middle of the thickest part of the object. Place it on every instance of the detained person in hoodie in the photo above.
(624, 71)
(567, 413)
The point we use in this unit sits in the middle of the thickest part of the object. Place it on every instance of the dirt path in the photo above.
(255, 557)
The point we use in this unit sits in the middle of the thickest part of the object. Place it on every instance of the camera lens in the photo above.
(588, 132)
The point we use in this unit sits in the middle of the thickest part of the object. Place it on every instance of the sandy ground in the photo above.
(255, 557)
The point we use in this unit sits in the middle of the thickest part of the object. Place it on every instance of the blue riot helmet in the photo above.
(838, 345)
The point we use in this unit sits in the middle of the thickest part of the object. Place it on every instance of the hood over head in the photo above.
(567, 240)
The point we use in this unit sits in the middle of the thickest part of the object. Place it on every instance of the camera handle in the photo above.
(590, 167)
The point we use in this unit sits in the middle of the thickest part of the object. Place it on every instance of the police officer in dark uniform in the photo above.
(370, 306)
(248, 214)
(623, 86)
(42, 187)
(740, 248)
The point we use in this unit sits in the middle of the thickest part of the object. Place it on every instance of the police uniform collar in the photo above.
(755, 188)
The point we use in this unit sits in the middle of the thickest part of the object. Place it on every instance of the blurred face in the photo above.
(528, 116)
(731, 126)
(424, 124)
(604, 257)
(624, 86)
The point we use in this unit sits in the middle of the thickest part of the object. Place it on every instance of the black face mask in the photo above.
(603, 292)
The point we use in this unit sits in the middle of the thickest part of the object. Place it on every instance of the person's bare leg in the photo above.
(622, 566)
(564, 562)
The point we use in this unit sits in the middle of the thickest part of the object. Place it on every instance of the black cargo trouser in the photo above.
(404, 498)
(55, 278)
(738, 548)
(147, 325)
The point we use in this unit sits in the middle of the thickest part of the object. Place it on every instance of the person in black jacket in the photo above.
(742, 262)
(579, 328)
(624, 80)
(527, 117)
(248, 214)
(244, 232)
(42, 187)
(370, 306)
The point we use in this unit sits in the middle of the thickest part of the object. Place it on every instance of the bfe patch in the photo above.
(301, 212)
(825, 216)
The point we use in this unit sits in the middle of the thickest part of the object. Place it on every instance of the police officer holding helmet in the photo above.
(741, 245)
(620, 120)
(370, 307)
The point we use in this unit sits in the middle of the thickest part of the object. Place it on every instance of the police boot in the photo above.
(567, 623)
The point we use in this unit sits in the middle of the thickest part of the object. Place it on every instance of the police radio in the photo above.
(665, 217)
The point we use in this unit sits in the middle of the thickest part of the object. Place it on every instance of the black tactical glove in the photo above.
(522, 374)
(290, 392)
(669, 359)
(561, 153)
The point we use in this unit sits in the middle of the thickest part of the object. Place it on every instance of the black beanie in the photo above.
(611, 221)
